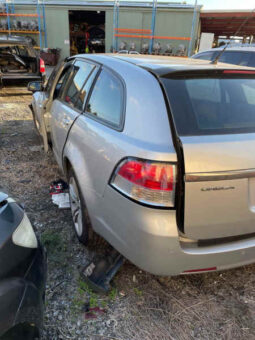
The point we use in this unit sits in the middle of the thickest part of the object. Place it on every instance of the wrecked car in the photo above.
(22, 274)
(19, 60)
(159, 157)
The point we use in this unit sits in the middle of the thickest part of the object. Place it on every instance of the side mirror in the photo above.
(35, 86)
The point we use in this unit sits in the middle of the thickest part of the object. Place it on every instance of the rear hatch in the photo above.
(214, 116)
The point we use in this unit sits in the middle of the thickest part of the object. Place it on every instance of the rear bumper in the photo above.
(149, 238)
(22, 299)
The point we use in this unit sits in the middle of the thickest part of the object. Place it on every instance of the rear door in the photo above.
(214, 114)
(41, 101)
(68, 105)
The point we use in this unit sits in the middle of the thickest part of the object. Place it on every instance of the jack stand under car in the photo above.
(100, 272)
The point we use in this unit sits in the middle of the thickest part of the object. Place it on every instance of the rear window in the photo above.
(211, 106)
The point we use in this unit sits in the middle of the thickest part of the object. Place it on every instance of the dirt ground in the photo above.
(140, 306)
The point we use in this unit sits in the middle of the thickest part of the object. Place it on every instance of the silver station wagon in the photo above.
(159, 154)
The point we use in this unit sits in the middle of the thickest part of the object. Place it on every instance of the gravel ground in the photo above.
(140, 306)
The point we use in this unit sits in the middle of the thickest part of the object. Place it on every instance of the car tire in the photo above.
(84, 232)
(81, 220)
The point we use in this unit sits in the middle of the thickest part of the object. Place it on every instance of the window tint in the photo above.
(107, 99)
(80, 104)
(229, 109)
(252, 59)
(211, 90)
(81, 71)
(249, 93)
(62, 81)
(235, 58)
(204, 56)
(52, 77)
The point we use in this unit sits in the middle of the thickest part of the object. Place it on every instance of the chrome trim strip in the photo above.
(219, 176)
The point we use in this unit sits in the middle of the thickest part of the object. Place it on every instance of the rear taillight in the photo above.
(42, 66)
(147, 182)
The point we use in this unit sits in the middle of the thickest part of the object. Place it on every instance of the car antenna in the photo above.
(216, 59)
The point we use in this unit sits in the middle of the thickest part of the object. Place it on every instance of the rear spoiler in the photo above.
(200, 72)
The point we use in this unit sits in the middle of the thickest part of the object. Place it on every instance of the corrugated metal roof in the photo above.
(143, 4)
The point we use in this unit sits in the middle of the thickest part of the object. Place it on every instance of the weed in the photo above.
(52, 241)
(138, 292)
(113, 294)
(55, 246)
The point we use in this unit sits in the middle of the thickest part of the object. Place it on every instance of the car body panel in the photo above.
(22, 273)
(151, 237)
(62, 118)
(225, 207)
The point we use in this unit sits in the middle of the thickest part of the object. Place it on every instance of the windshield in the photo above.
(206, 106)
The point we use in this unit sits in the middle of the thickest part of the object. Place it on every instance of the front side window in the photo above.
(62, 81)
(72, 92)
(106, 100)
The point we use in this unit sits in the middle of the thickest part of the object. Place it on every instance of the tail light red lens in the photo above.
(148, 182)
(42, 66)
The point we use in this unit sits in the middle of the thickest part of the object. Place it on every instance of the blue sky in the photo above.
(225, 4)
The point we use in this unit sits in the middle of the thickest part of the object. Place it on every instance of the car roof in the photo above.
(162, 65)
(231, 48)
(13, 40)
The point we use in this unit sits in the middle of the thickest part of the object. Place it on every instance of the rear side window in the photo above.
(204, 56)
(252, 59)
(235, 58)
(106, 100)
(81, 72)
(211, 106)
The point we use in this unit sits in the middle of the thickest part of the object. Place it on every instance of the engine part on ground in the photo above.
(100, 272)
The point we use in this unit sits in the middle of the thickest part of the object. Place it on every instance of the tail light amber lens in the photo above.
(147, 182)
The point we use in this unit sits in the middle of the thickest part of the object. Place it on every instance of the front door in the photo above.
(67, 106)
